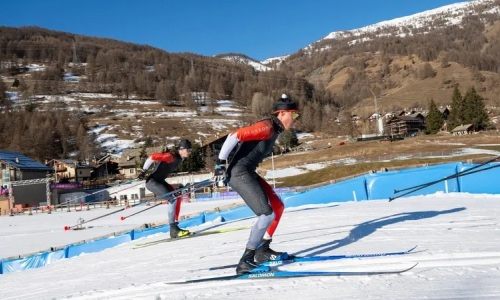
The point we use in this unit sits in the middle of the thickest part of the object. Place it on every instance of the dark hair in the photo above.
(285, 103)
(184, 144)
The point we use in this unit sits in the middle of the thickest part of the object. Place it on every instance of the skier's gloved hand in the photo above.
(141, 175)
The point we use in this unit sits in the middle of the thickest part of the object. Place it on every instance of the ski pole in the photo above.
(444, 179)
(448, 177)
(81, 221)
(195, 187)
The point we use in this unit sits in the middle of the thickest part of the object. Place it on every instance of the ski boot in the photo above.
(264, 253)
(176, 232)
(246, 264)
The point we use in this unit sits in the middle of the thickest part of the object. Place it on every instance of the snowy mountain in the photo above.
(422, 22)
(243, 59)
(404, 26)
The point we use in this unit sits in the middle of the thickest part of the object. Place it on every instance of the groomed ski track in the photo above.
(459, 234)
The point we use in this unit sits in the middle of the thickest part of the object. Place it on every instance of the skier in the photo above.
(155, 182)
(255, 143)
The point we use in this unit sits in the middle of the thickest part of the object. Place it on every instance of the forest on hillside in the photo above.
(125, 69)
(474, 43)
(130, 70)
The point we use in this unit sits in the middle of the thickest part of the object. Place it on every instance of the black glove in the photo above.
(141, 175)
(220, 174)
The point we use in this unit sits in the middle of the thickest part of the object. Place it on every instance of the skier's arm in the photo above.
(262, 130)
(163, 157)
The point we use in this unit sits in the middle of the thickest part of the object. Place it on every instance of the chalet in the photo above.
(69, 170)
(104, 167)
(463, 129)
(405, 125)
(445, 112)
(25, 179)
(131, 160)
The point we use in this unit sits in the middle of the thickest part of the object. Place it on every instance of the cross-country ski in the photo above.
(292, 274)
(299, 259)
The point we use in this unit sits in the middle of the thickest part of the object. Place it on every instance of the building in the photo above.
(445, 112)
(26, 180)
(131, 160)
(405, 125)
(104, 167)
(463, 129)
(69, 170)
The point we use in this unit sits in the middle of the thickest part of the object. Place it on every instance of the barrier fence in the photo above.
(373, 186)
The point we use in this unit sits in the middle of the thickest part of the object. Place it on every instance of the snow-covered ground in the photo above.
(457, 236)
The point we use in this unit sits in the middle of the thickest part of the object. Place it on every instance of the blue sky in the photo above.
(259, 29)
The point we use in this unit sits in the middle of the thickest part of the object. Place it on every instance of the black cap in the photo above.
(185, 144)
(285, 103)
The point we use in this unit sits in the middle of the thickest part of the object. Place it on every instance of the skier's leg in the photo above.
(276, 204)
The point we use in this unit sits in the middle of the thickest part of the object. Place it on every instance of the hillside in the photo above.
(408, 61)
(140, 93)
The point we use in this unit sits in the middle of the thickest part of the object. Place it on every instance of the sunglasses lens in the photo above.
(295, 116)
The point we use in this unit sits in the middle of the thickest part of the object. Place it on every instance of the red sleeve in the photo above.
(262, 130)
(165, 157)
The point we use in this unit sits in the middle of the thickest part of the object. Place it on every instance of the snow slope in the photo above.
(457, 235)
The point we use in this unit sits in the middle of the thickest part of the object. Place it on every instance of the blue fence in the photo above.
(376, 186)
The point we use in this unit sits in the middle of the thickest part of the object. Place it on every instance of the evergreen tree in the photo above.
(474, 110)
(434, 120)
(288, 139)
(209, 158)
(456, 110)
(143, 155)
(148, 141)
(194, 163)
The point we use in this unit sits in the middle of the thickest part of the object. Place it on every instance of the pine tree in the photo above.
(143, 155)
(194, 163)
(434, 120)
(288, 139)
(209, 158)
(456, 110)
(474, 110)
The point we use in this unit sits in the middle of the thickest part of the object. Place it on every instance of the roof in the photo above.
(403, 119)
(465, 127)
(22, 162)
(131, 156)
(415, 115)
(68, 162)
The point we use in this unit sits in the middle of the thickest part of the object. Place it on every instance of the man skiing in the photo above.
(255, 142)
(155, 182)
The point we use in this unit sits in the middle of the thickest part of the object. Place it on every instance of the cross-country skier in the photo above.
(155, 182)
(255, 142)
